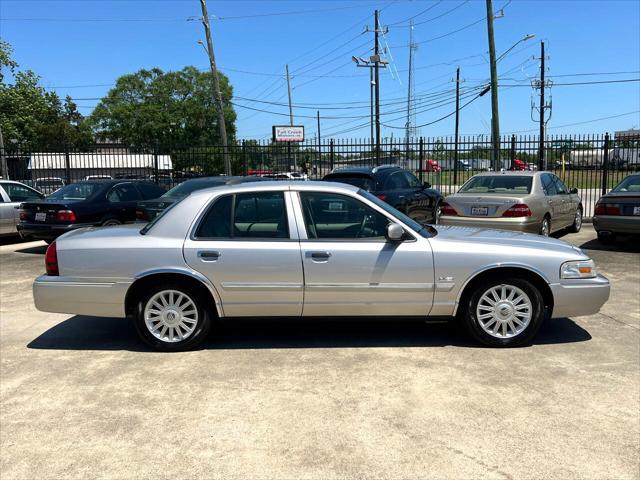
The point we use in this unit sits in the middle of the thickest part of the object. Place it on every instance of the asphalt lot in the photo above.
(82, 397)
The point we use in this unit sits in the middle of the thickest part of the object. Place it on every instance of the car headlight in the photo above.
(578, 269)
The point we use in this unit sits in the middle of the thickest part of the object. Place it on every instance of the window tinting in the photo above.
(124, 192)
(333, 216)
(149, 190)
(255, 215)
(75, 191)
(499, 184)
(412, 180)
(260, 215)
(629, 184)
(363, 182)
(396, 181)
(560, 186)
(20, 193)
(217, 221)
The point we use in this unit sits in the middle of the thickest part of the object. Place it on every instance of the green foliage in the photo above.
(154, 108)
(33, 118)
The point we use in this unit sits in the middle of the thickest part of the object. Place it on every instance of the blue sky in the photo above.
(80, 47)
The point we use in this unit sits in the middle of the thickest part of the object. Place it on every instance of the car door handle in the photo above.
(208, 255)
(319, 256)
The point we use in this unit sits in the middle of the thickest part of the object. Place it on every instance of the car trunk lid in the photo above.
(43, 212)
(491, 206)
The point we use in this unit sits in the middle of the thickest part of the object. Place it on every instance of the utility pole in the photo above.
(4, 170)
(495, 120)
(541, 159)
(216, 86)
(289, 92)
(376, 53)
(410, 88)
(371, 88)
(455, 152)
(290, 120)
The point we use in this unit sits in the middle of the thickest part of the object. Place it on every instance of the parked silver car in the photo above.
(533, 202)
(312, 249)
(12, 194)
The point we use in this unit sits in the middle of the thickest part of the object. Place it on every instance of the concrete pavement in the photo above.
(82, 397)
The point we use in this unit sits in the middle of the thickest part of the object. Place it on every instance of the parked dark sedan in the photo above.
(84, 204)
(618, 212)
(396, 186)
(149, 209)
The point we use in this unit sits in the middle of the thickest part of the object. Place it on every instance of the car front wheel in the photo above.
(504, 313)
(172, 317)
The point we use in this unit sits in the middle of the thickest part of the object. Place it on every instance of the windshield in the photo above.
(49, 183)
(75, 191)
(365, 183)
(500, 184)
(184, 189)
(629, 184)
(411, 223)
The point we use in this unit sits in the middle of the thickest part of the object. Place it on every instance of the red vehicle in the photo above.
(518, 165)
(431, 166)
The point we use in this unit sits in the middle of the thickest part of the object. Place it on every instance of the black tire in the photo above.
(436, 213)
(109, 222)
(199, 334)
(546, 219)
(473, 326)
(577, 223)
(606, 239)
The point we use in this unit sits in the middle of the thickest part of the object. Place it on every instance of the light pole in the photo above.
(528, 36)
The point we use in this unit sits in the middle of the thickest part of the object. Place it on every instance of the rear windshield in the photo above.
(499, 184)
(184, 189)
(49, 183)
(365, 183)
(75, 191)
(629, 184)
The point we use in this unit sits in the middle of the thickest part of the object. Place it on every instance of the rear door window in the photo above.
(396, 181)
(20, 193)
(149, 190)
(548, 185)
(123, 192)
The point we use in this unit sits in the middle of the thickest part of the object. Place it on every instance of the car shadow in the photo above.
(623, 244)
(38, 250)
(96, 333)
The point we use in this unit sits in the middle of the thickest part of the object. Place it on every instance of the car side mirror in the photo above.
(394, 232)
(573, 190)
(426, 184)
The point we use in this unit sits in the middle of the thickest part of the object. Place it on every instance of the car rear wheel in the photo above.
(172, 317)
(577, 221)
(504, 313)
(111, 222)
(545, 226)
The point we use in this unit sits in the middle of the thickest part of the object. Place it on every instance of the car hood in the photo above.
(485, 237)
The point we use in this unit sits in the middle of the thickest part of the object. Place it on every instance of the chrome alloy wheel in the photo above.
(504, 311)
(170, 316)
(578, 219)
(545, 229)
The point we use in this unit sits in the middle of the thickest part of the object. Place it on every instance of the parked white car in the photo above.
(12, 194)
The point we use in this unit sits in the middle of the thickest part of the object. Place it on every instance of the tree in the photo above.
(151, 107)
(34, 118)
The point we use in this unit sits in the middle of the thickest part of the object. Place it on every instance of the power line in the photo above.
(416, 15)
(594, 120)
(298, 12)
(598, 82)
(438, 16)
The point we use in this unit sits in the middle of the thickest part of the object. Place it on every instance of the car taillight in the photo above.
(607, 209)
(446, 209)
(518, 210)
(65, 216)
(382, 197)
(24, 215)
(51, 260)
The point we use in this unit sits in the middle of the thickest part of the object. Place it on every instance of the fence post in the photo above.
(155, 164)
(331, 155)
(244, 159)
(605, 163)
(421, 158)
(513, 149)
(67, 164)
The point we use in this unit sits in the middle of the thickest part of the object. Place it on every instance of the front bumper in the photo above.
(44, 231)
(518, 224)
(80, 296)
(574, 298)
(617, 224)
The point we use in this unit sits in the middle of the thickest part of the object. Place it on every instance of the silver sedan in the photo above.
(533, 202)
(312, 249)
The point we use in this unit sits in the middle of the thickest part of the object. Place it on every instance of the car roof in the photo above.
(366, 170)
(516, 173)
(278, 185)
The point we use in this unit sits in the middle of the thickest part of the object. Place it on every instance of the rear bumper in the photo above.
(80, 297)
(575, 298)
(520, 224)
(617, 224)
(43, 231)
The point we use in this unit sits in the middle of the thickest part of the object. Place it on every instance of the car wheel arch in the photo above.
(146, 279)
(536, 277)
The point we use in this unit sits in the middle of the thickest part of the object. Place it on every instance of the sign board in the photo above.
(286, 133)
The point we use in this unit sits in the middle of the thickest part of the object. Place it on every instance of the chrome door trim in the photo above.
(427, 287)
(265, 287)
